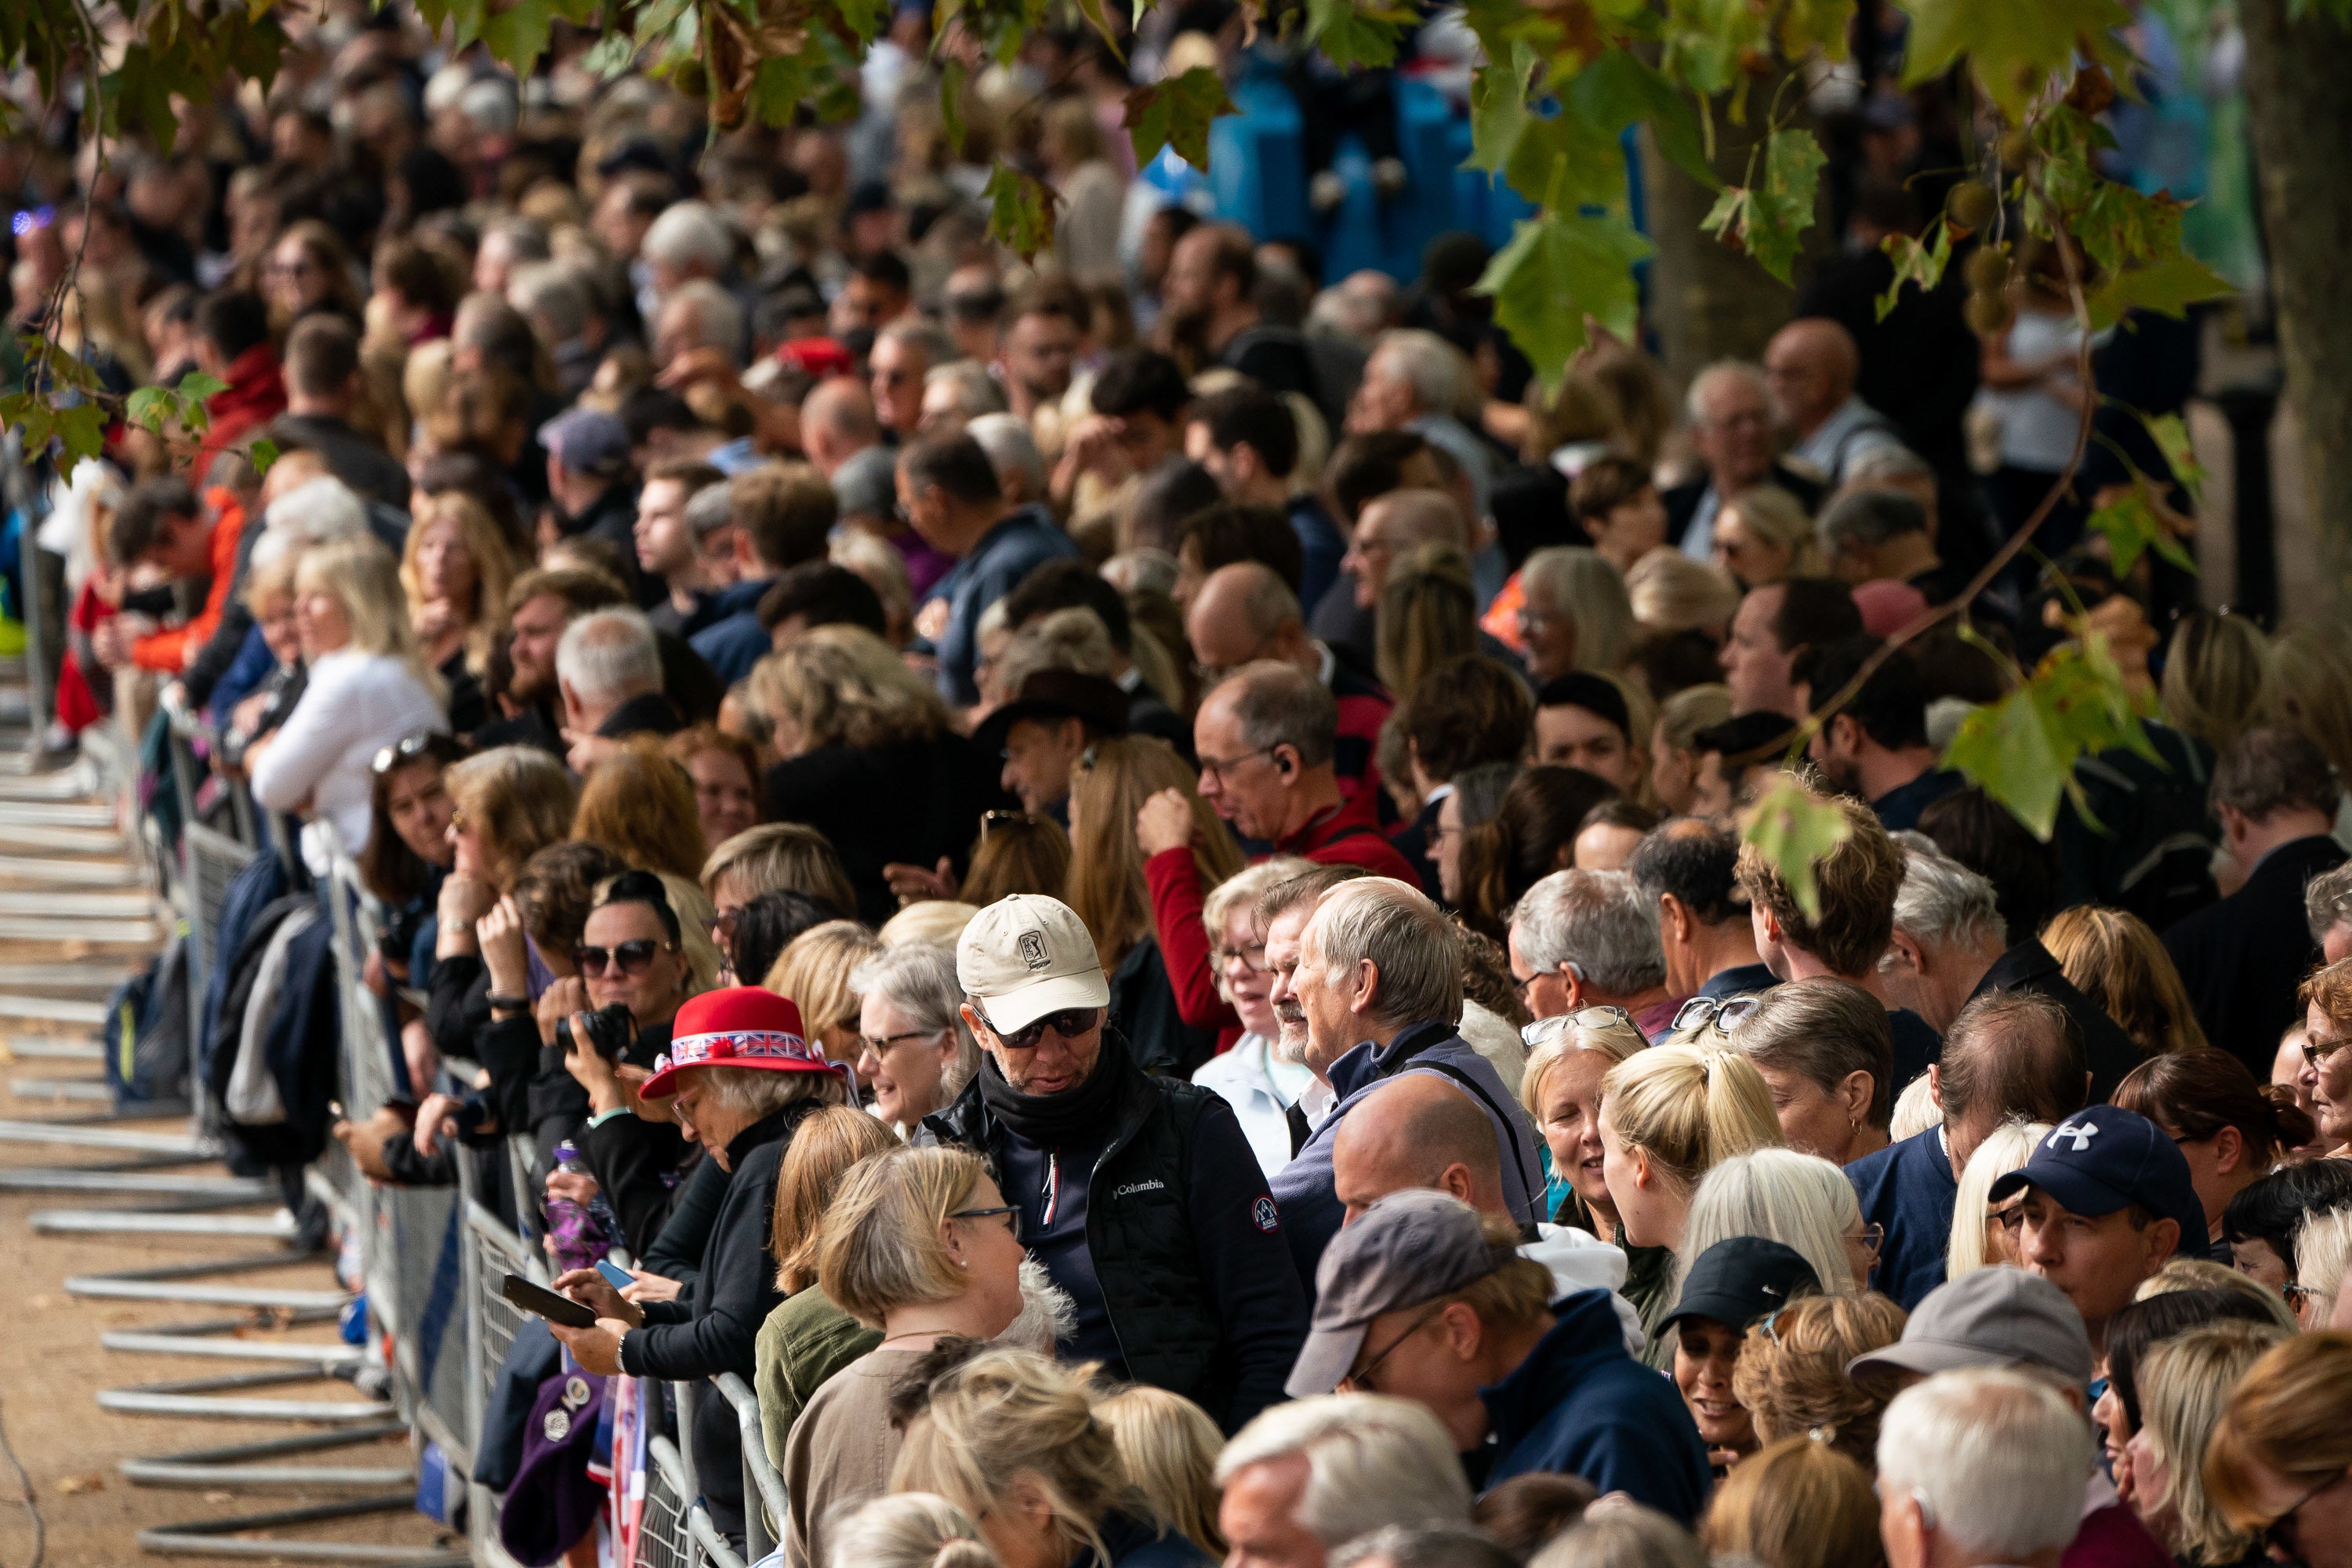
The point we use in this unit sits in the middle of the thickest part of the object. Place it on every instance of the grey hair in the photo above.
(555, 294)
(1994, 1458)
(711, 508)
(976, 392)
(718, 319)
(609, 656)
(1372, 1461)
(907, 1529)
(2327, 901)
(690, 234)
(937, 346)
(1438, 373)
(1402, 935)
(1868, 517)
(1875, 465)
(1823, 1029)
(317, 511)
(1425, 1546)
(1942, 903)
(1585, 586)
(526, 238)
(919, 979)
(1713, 376)
(1279, 704)
(1597, 921)
(1008, 444)
(759, 1093)
(1801, 1200)
(1628, 1537)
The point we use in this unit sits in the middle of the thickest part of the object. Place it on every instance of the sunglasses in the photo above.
(632, 957)
(2280, 1538)
(1010, 1212)
(390, 757)
(1069, 1023)
(1727, 1015)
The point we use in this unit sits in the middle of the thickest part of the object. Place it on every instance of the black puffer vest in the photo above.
(1138, 1231)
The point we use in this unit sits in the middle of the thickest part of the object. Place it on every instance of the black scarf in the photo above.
(1048, 1120)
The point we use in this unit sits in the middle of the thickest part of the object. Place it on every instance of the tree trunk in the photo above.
(1707, 300)
(2301, 115)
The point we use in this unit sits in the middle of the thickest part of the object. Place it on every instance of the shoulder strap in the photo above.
(1477, 1092)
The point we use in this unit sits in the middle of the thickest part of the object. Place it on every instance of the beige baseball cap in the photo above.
(1026, 956)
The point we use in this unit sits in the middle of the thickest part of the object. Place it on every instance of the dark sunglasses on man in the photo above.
(632, 957)
(1070, 1023)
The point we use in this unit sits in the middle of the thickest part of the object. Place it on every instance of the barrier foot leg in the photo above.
(224, 1537)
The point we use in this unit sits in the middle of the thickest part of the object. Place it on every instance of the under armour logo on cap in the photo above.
(2082, 1133)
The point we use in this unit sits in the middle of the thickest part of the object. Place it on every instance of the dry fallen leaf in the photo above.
(71, 1486)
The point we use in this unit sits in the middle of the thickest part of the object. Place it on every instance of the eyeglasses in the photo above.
(1217, 767)
(1361, 1378)
(1253, 958)
(1543, 1031)
(1519, 985)
(1871, 1236)
(2318, 1051)
(722, 924)
(2280, 1537)
(880, 1044)
(1069, 1023)
(632, 957)
(1726, 1014)
(2011, 1217)
(390, 757)
(1010, 1212)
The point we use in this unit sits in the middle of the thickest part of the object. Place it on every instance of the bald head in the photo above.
(1406, 520)
(1243, 612)
(837, 422)
(1809, 367)
(1418, 1131)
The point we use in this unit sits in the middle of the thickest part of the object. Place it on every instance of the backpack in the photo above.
(146, 1034)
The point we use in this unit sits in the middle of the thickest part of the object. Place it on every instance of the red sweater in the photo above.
(168, 650)
(1349, 834)
(1174, 878)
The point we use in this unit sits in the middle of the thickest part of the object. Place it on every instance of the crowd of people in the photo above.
(1122, 879)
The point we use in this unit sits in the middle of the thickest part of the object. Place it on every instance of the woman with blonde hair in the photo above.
(2185, 1383)
(1109, 791)
(367, 687)
(2220, 678)
(870, 759)
(807, 1338)
(771, 856)
(1675, 755)
(920, 1244)
(1559, 1087)
(1982, 1236)
(309, 270)
(1669, 592)
(1801, 1201)
(2281, 1457)
(933, 919)
(2114, 958)
(1795, 1504)
(1792, 1371)
(1428, 614)
(1014, 1440)
(1667, 1116)
(813, 969)
(1167, 1447)
(1576, 614)
(455, 570)
(640, 805)
(1763, 535)
(909, 1529)
(1260, 1086)
(1017, 852)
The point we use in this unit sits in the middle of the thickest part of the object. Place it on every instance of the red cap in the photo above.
(821, 357)
(741, 1026)
(1887, 606)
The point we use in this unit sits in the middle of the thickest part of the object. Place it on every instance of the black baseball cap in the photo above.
(1743, 1279)
(2103, 1158)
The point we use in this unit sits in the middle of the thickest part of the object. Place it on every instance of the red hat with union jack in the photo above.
(741, 1026)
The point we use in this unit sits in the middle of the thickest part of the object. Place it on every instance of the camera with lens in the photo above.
(611, 1031)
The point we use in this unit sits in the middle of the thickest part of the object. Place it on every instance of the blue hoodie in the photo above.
(1579, 1405)
(731, 638)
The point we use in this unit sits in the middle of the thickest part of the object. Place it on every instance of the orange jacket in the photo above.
(169, 650)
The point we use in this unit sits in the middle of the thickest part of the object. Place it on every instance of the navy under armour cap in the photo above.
(2102, 1159)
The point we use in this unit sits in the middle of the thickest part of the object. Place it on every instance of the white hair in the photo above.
(555, 294)
(1397, 928)
(690, 235)
(1942, 903)
(490, 103)
(1996, 1460)
(718, 319)
(1009, 445)
(976, 392)
(919, 978)
(1581, 584)
(1714, 375)
(2007, 1149)
(316, 511)
(1801, 1200)
(1372, 1461)
(905, 1530)
(1914, 1110)
(1598, 921)
(609, 656)
(1438, 373)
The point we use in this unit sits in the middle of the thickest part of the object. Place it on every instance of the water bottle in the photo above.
(573, 1237)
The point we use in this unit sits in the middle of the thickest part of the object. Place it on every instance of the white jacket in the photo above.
(1580, 1260)
(1244, 1079)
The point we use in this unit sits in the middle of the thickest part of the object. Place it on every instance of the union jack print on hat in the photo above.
(741, 1026)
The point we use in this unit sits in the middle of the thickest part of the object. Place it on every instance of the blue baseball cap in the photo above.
(2102, 1159)
(588, 441)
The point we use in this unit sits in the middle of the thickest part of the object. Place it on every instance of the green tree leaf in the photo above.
(2171, 286)
(1500, 115)
(2012, 46)
(2133, 526)
(2023, 748)
(1620, 88)
(2171, 433)
(149, 408)
(1177, 114)
(1350, 35)
(1916, 261)
(1020, 211)
(1768, 219)
(263, 453)
(1558, 269)
(1794, 830)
